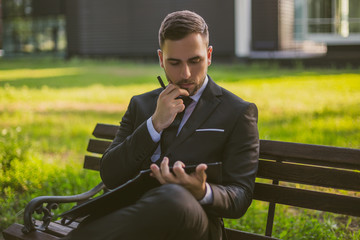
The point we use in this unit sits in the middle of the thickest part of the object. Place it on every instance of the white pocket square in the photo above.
(210, 130)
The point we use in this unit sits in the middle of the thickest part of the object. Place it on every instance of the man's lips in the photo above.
(185, 85)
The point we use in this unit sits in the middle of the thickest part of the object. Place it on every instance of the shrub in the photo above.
(13, 146)
(25, 176)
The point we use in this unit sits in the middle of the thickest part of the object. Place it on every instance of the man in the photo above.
(216, 126)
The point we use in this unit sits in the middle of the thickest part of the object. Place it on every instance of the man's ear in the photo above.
(209, 54)
(161, 59)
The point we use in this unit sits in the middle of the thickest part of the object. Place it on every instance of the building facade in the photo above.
(128, 28)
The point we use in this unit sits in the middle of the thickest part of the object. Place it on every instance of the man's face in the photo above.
(186, 61)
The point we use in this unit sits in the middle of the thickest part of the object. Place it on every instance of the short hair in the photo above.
(178, 25)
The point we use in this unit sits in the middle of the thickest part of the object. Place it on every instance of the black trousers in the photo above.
(166, 212)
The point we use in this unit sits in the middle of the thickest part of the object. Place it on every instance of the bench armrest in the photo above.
(52, 202)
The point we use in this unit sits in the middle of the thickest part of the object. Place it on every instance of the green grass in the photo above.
(49, 107)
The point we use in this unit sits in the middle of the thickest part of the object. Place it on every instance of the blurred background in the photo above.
(66, 65)
(324, 30)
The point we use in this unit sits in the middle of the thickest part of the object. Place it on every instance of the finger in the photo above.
(165, 171)
(155, 170)
(178, 169)
(176, 91)
(169, 93)
(179, 164)
(169, 98)
(169, 88)
(184, 92)
(164, 165)
(179, 106)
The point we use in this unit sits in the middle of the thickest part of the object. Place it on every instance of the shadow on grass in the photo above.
(268, 71)
(48, 62)
(86, 80)
(117, 73)
(77, 81)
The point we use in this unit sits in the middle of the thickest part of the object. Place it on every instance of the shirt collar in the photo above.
(198, 94)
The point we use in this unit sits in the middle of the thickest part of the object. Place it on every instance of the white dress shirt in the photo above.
(208, 198)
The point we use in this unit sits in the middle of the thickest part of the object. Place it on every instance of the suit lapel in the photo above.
(207, 104)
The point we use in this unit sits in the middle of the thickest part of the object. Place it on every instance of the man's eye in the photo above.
(174, 63)
(197, 60)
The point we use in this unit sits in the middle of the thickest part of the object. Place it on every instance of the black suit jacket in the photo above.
(201, 140)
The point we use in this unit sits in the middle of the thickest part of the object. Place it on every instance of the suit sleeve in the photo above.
(131, 147)
(240, 163)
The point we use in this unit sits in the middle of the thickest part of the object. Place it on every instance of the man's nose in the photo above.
(185, 72)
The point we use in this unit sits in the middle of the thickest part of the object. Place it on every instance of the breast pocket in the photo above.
(209, 138)
(210, 130)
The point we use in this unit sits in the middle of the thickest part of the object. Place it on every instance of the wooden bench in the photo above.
(281, 165)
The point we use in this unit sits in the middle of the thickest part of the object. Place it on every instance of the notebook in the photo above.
(130, 192)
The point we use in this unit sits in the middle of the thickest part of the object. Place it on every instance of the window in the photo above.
(28, 30)
(327, 20)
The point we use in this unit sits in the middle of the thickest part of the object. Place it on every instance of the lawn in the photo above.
(48, 108)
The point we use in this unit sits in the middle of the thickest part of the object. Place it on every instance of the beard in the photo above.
(191, 92)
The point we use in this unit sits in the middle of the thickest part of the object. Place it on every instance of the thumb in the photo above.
(200, 171)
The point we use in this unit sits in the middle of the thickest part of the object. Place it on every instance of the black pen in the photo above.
(161, 82)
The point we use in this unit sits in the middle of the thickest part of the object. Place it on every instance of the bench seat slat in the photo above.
(57, 229)
(72, 225)
(310, 154)
(14, 233)
(98, 146)
(317, 176)
(237, 234)
(308, 199)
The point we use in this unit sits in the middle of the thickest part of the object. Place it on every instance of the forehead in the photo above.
(192, 45)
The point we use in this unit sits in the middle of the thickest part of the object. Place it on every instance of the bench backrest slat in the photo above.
(308, 199)
(310, 175)
(98, 146)
(340, 179)
(105, 131)
(285, 151)
(310, 154)
(92, 162)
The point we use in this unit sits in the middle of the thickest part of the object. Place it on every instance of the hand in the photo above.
(168, 106)
(194, 182)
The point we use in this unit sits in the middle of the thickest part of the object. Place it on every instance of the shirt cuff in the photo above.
(208, 198)
(153, 133)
